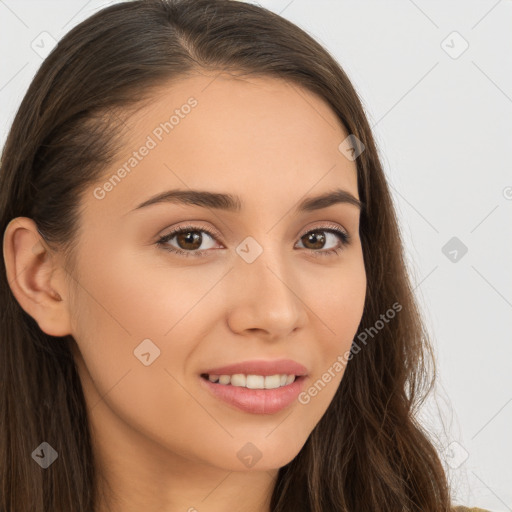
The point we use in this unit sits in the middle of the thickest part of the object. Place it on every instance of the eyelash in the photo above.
(344, 240)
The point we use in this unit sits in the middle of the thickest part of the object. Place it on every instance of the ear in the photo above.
(34, 277)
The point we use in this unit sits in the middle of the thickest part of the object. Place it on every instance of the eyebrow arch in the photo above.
(232, 203)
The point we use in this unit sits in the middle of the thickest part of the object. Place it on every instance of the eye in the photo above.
(189, 239)
(317, 237)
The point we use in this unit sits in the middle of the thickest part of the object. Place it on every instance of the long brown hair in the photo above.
(368, 452)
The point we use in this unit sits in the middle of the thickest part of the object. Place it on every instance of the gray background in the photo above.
(442, 117)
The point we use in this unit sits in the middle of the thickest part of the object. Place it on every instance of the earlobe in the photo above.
(34, 278)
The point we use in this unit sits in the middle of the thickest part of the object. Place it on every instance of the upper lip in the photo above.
(260, 367)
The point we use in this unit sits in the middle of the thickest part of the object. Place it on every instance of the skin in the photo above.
(163, 442)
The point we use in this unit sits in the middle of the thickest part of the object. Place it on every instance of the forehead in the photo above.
(257, 137)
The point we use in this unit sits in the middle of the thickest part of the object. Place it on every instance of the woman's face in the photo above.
(148, 321)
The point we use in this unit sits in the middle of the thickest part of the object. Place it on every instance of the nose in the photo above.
(265, 298)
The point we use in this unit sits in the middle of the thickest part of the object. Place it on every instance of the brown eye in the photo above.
(317, 241)
(190, 240)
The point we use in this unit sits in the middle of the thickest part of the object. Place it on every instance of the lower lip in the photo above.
(257, 401)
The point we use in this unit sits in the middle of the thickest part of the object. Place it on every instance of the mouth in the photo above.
(249, 394)
(252, 381)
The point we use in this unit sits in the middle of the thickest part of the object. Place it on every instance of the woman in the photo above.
(205, 304)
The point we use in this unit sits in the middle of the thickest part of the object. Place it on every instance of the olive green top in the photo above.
(460, 508)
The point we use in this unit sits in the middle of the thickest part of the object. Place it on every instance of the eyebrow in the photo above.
(232, 203)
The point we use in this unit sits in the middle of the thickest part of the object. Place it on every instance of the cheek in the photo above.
(126, 308)
(342, 298)
(340, 303)
(142, 295)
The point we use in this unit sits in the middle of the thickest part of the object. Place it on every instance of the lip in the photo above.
(261, 367)
(256, 401)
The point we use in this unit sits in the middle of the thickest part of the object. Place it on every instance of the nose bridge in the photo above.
(265, 296)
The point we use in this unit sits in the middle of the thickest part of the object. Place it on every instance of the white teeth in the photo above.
(238, 380)
(224, 379)
(272, 381)
(253, 381)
